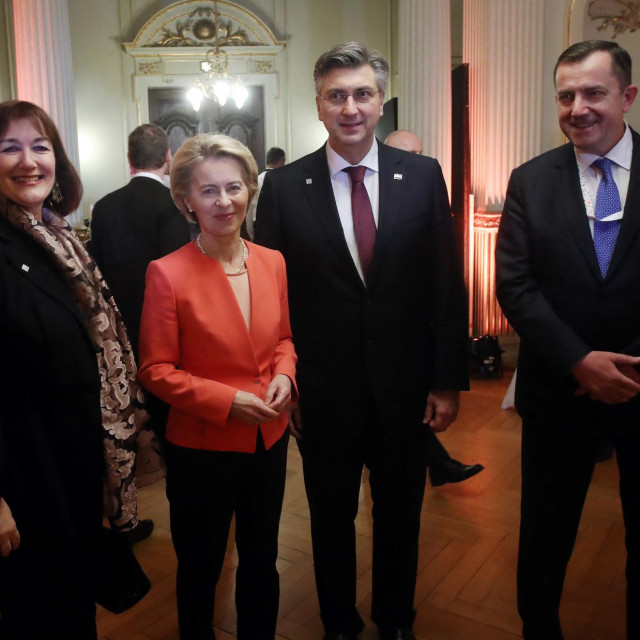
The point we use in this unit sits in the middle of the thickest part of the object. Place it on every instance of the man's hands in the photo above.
(608, 377)
(9, 536)
(249, 408)
(442, 409)
(440, 413)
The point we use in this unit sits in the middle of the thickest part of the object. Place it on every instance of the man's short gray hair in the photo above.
(351, 55)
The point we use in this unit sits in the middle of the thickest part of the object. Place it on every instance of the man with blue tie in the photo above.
(378, 312)
(568, 280)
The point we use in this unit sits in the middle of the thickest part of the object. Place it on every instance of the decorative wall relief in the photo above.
(620, 15)
(203, 28)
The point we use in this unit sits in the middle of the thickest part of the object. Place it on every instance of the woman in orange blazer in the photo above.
(215, 343)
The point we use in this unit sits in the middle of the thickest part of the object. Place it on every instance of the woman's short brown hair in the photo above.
(208, 145)
(66, 176)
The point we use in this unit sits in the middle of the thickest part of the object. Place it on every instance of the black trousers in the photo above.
(46, 591)
(558, 458)
(205, 489)
(436, 453)
(333, 474)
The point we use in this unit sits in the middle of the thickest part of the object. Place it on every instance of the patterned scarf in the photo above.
(121, 398)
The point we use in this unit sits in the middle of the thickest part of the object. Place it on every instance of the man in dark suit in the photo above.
(378, 311)
(568, 272)
(130, 227)
(136, 224)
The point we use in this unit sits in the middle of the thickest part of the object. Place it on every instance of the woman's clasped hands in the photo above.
(250, 408)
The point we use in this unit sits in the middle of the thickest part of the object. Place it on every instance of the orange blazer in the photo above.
(196, 351)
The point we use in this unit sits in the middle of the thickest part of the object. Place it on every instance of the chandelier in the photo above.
(216, 84)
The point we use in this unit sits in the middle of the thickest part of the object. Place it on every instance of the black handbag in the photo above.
(485, 357)
(120, 583)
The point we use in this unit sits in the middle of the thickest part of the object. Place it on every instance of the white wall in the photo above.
(97, 64)
(103, 70)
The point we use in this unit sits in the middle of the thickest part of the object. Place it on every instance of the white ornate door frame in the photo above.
(167, 52)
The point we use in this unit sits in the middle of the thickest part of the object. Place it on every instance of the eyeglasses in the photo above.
(338, 98)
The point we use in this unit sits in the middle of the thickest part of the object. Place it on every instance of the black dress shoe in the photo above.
(452, 471)
(605, 450)
(397, 634)
(140, 532)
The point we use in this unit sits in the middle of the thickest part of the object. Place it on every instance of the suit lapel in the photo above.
(392, 189)
(571, 207)
(319, 192)
(30, 261)
(631, 218)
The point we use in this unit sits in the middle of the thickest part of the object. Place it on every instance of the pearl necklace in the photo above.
(245, 252)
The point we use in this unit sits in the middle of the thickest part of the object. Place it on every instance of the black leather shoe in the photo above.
(605, 451)
(397, 634)
(452, 471)
(140, 532)
(338, 636)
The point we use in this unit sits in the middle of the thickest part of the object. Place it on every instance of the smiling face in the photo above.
(351, 126)
(219, 196)
(27, 166)
(591, 103)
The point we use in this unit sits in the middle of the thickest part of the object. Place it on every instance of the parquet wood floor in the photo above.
(466, 580)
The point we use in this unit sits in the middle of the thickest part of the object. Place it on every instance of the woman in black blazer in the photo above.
(69, 404)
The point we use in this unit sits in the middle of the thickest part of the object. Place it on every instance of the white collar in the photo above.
(148, 174)
(620, 154)
(337, 163)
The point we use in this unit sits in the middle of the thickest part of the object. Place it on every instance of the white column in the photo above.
(424, 99)
(44, 69)
(503, 46)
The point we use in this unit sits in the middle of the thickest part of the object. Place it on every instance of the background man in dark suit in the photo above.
(380, 333)
(442, 467)
(136, 224)
(577, 310)
(276, 157)
(130, 227)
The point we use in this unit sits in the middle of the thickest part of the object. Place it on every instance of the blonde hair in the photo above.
(200, 147)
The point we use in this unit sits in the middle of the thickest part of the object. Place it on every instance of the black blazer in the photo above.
(551, 290)
(395, 339)
(51, 452)
(130, 227)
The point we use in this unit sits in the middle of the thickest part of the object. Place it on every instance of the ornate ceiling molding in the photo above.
(190, 23)
(175, 40)
(620, 15)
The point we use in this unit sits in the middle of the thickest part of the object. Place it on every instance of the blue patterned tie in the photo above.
(605, 233)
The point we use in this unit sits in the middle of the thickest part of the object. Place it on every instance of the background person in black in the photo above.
(136, 224)
(442, 467)
(130, 227)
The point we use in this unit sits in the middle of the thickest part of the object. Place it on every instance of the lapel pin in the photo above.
(25, 267)
(397, 176)
(309, 180)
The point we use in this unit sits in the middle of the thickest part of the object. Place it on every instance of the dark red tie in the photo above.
(363, 222)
